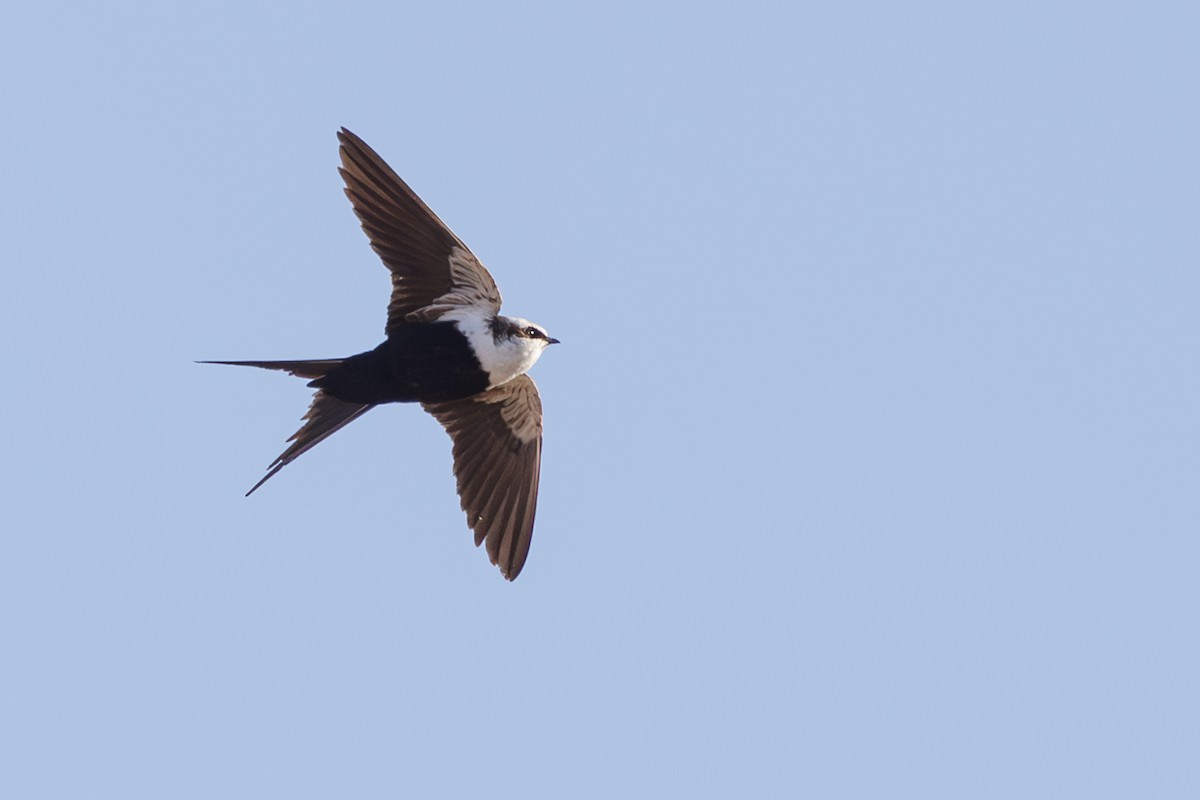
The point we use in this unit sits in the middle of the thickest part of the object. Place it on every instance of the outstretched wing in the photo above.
(432, 270)
(497, 439)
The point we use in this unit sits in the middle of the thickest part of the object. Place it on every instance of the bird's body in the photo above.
(448, 348)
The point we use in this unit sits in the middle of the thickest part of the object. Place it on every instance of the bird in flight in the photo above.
(447, 348)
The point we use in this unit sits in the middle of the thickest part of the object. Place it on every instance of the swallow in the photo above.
(448, 348)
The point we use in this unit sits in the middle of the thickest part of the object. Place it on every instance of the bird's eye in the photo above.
(533, 333)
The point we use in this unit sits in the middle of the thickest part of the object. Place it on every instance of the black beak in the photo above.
(553, 341)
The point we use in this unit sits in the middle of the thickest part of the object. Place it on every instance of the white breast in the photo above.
(502, 359)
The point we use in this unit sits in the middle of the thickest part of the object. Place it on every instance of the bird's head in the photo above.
(518, 329)
(516, 344)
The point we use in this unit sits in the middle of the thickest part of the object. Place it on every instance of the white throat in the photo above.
(501, 358)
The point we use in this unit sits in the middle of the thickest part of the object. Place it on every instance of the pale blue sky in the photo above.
(871, 453)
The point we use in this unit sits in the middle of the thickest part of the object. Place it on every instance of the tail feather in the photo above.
(301, 369)
(326, 416)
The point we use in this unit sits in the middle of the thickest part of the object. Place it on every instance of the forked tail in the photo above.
(326, 416)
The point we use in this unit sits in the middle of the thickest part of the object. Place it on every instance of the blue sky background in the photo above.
(871, 450)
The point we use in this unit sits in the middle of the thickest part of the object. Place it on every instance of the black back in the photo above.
(420, 362)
